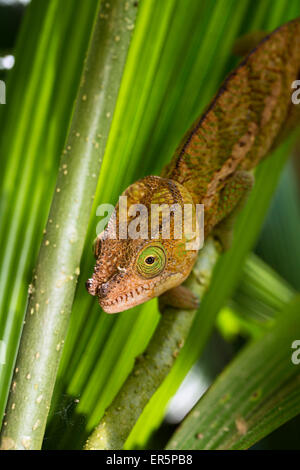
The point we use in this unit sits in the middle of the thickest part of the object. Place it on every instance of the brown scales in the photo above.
(244, 119)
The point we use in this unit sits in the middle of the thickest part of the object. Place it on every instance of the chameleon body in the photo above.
(245, 120)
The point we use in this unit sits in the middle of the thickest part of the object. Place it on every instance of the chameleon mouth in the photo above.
(128, 300)
(138, 295)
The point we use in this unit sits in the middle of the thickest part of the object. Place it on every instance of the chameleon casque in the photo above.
(245, 120)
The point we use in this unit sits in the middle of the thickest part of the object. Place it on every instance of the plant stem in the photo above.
(154, 365)
(27, 180)
(57, 268)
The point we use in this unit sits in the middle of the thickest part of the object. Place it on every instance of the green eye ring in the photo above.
(151, 261)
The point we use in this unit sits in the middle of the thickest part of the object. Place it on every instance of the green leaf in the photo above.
(279, 240)
(259, 298)
(261, 293)
(256, 393)
(177, 59)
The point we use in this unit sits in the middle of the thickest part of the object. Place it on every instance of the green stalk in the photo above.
(154, 365)
(57, 269)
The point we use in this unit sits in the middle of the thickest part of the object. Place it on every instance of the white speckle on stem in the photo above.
(26, 441)
(39, 399)
(241, 426)
(36, 425)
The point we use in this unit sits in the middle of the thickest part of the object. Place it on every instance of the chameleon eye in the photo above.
(97, 247)
(151, 261)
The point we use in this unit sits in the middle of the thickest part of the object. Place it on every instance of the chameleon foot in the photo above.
(179, 297)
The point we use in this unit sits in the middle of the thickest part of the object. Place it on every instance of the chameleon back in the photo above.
(243, 121)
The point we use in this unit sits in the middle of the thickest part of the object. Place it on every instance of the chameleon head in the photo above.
(132, 270)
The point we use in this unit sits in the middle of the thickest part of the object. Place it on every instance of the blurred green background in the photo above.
(181, 51)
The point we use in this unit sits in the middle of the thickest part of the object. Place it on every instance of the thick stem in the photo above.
(154, 365)
(57, 269)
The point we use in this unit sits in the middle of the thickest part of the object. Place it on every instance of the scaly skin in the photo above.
(211, 166)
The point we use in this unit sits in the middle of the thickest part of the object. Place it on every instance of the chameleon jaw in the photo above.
(125, 301)
(136, 296)
(140, 294)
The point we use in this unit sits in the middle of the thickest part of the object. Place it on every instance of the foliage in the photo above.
(177, 58)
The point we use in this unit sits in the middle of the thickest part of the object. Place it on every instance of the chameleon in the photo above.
(213, 165)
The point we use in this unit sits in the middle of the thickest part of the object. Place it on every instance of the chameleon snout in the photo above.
(100, 290)
(90, 286)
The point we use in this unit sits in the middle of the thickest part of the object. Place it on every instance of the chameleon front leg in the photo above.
(179, 297)
(231, 200)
